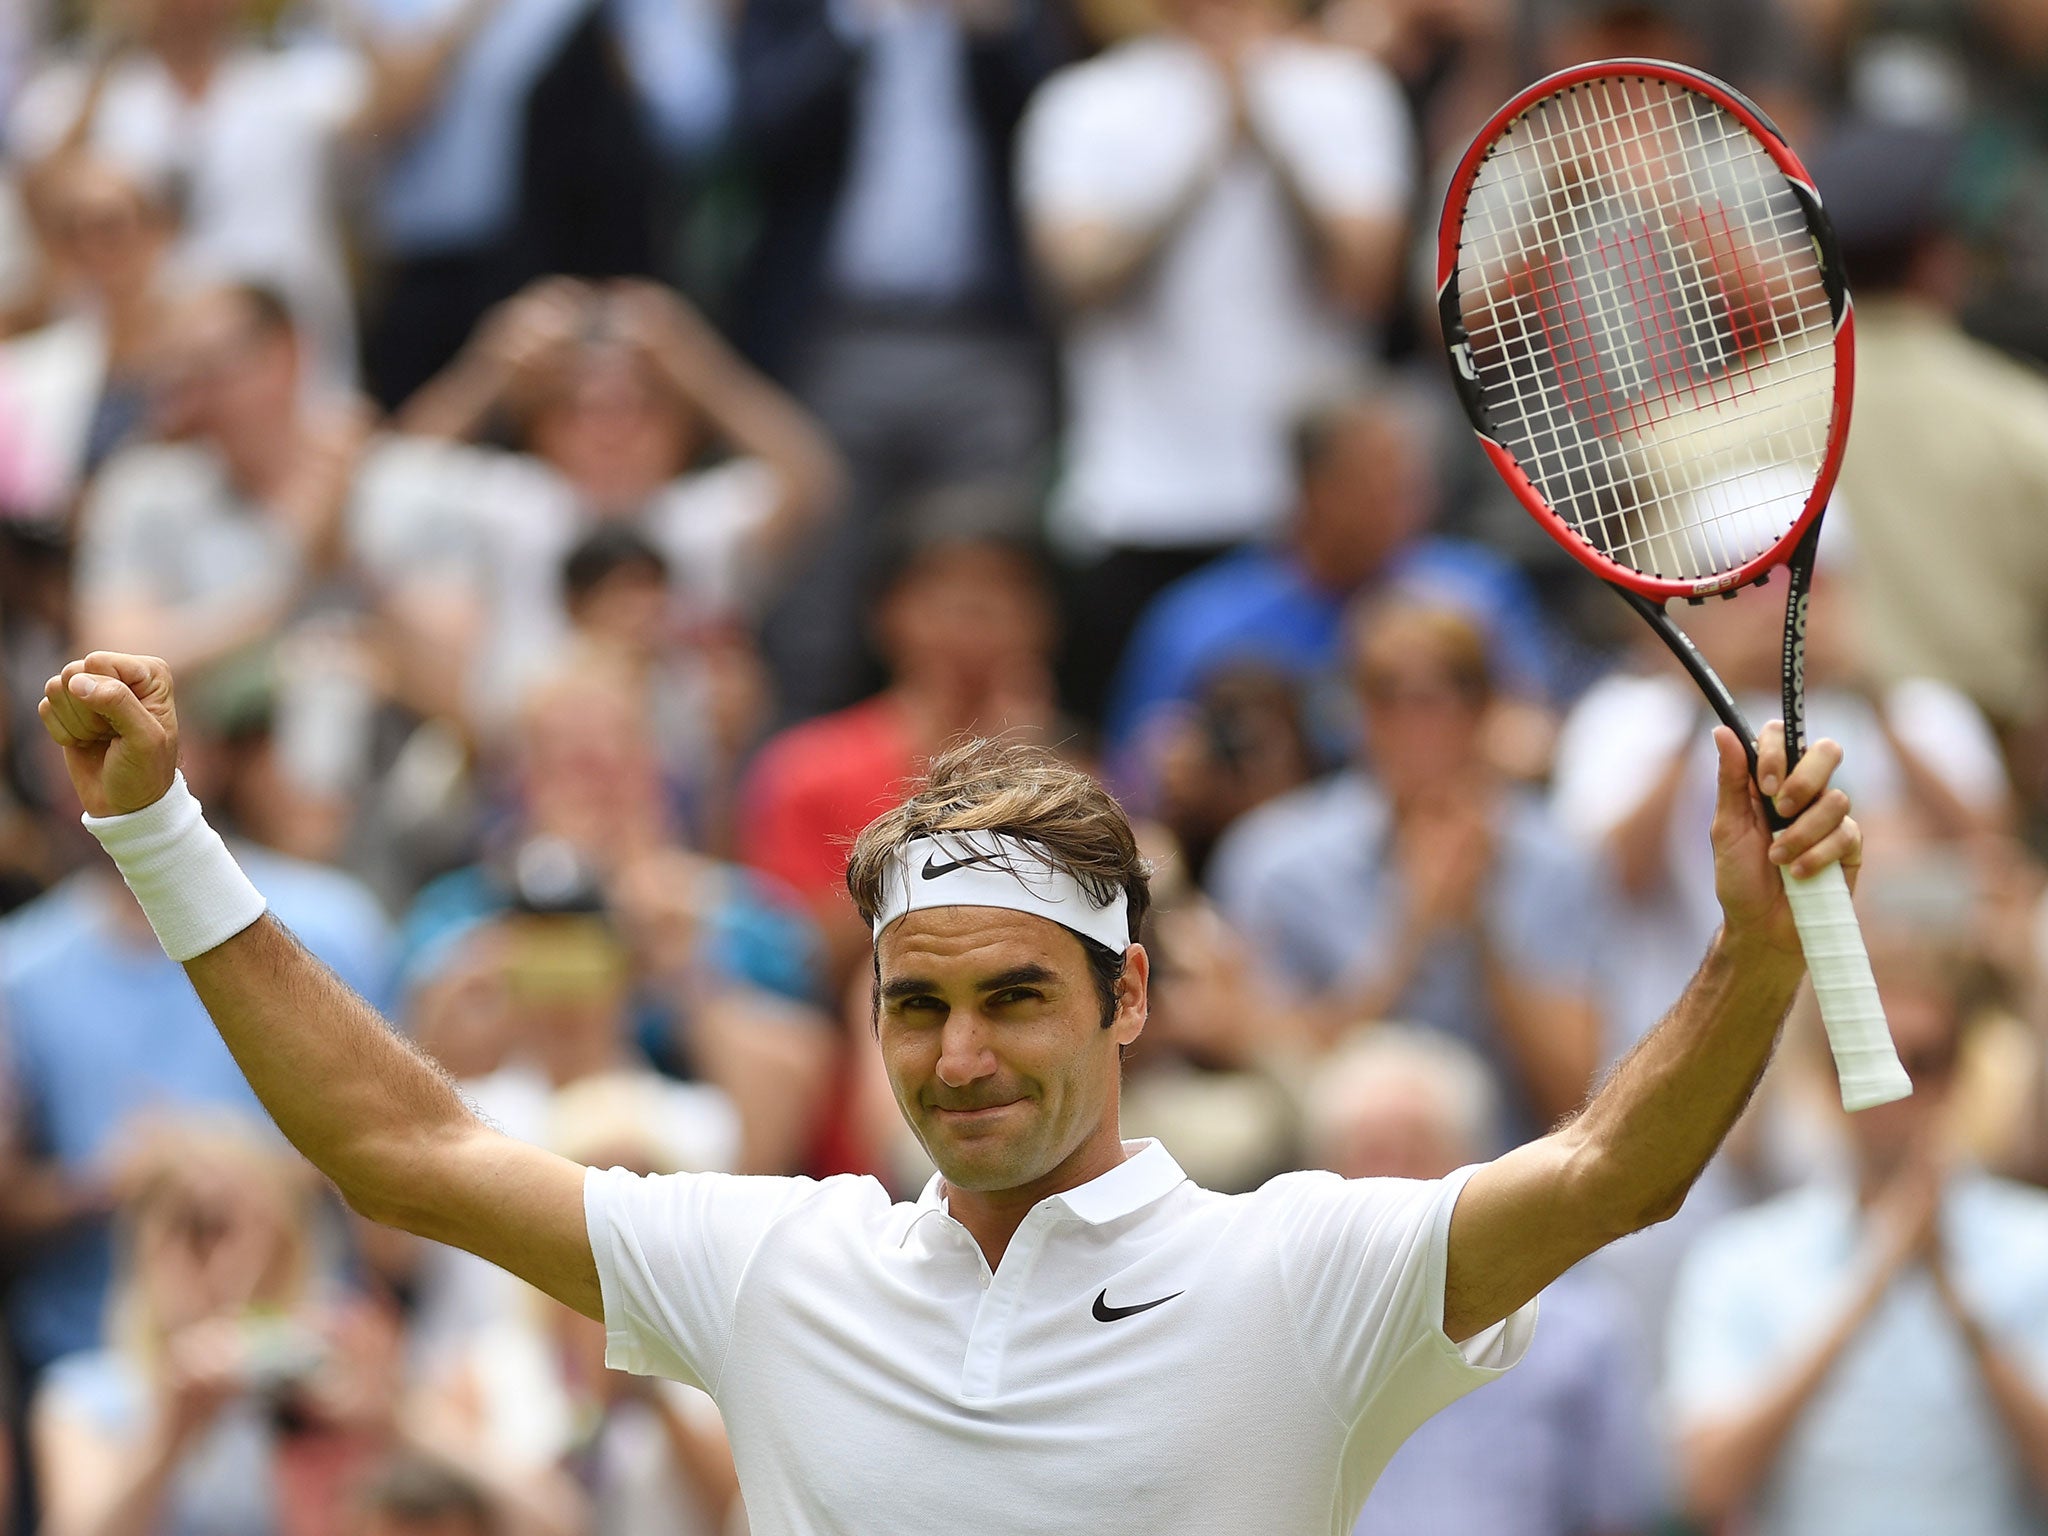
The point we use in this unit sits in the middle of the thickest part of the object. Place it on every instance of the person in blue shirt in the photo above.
(1868, 1355)
(1361, 524)
(101, 1033)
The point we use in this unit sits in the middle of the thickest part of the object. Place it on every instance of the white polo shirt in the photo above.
(1150, 1356)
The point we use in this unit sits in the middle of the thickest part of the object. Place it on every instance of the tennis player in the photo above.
(1063, 1333)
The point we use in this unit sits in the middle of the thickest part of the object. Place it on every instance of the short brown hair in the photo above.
(1414, 626)
(1021, 791)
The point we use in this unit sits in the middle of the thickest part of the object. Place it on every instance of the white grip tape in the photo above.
(190, 887)
(1842, 984)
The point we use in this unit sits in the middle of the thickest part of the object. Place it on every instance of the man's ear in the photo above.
(1133, 996)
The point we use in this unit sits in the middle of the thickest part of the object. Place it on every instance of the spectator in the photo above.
(1219, 208)
(886, 287)
(618, 393)
(634, 1455)
(1941, 421)
(1927, 777)
(965, 628)
(1563, 1445)
(1418, 886)
(244, 139)
(1864, 1355)
(79, 372)
(702, 688)
(719, 966)
(546, 131)
(202, 547)
(229, 1391)
(566, 984)
(1360, 525)
(1241, 742)
(103, 1032)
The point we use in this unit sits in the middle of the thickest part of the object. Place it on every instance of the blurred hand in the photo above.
(528, 329)
(1904, 1221)
(1444, 850)
(113, 716)
(1748, 856)
(359, 1380)
(314, 500)
(667, 327)
(205, 1368)
(659, 899)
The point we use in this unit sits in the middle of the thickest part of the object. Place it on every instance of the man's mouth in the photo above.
(973, 1112)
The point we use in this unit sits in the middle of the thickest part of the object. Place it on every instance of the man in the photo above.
(887, 287)
(1062, 1329)
(1361, 524)
(1866, 1356)
(1939, 414)
(1421, 886)
(1219, 206)
(203, 546)
(1564, 1445)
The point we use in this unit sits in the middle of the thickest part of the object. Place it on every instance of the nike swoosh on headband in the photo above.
(932, 869)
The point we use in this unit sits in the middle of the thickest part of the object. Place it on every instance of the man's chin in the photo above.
(982, 1164)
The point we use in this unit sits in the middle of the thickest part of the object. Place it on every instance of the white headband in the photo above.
(986, 869)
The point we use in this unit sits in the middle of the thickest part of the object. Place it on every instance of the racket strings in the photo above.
(1650, 332)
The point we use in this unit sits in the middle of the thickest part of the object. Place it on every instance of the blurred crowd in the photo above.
(581, 456)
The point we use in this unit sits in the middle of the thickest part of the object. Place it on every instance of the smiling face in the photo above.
(992, 1035)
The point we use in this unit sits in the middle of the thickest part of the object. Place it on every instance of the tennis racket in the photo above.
(1647, 324)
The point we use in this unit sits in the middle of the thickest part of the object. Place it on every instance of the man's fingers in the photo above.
(1810, 826)
(114, 702)
(1809, 847)
(69, 712)
(1809, 777)
(1770, 757)
(54, 724)
(1732, 781)
(146, 676)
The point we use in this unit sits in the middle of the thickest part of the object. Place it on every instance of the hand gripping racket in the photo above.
(1648, 326)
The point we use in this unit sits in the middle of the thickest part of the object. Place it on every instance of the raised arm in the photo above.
(1630, 1158)
(366, 1108)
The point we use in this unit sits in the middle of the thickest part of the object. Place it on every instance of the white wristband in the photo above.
(191, 890)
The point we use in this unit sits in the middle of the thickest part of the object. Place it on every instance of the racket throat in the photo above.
(1716, 693)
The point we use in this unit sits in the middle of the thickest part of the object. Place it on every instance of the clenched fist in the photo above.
(112, 714)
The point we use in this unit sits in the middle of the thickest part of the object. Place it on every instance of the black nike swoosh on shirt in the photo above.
(933, 869)
(1105, 1313)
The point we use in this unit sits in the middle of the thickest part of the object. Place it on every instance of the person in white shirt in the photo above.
(1063, 1330)
(244, 141)
(1218, 206)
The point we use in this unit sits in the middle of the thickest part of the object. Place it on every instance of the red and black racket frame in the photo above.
(1649, 594)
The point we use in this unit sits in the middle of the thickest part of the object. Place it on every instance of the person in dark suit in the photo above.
(887, 285)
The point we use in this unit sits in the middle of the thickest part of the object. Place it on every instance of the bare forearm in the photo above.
(1673, 1100)
(132, 1506)
(759, 420)
(357, 1100)
(1628, 1160)
(189, 638)
(2020, 1407)
(456, 402)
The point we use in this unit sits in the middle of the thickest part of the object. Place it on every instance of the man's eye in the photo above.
(1010, 996)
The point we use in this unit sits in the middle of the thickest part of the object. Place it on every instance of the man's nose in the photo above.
(964, 1054)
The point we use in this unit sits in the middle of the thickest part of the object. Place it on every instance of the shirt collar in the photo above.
(1147, 1173)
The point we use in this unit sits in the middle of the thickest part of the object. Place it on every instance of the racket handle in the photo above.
(1842, 984)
